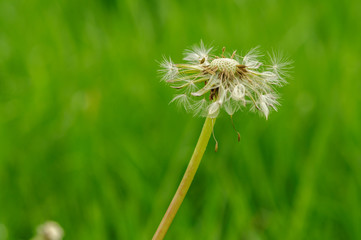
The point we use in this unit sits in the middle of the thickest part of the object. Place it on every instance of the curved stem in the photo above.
(187, 179)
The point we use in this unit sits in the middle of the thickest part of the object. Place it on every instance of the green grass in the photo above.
(87, 137)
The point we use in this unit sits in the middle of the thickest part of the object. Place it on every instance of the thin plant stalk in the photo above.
(187, 179)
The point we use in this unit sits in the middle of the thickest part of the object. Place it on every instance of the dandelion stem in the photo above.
(187, 179)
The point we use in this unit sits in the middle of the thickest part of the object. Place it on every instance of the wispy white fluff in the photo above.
(199, 108)
(280, 65)
(168, 69)
(239, 91)
(251, 58)
(197, 54)
(267, 101)
(213, 109)
(182, 100)
(207, 83)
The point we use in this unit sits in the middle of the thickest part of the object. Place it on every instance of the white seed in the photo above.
(238, 92)
(213, 109)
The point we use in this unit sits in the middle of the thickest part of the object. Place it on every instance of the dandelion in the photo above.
(228, 82)
(50, 230)
(207, 85)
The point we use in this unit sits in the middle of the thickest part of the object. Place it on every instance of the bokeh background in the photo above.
(88, 139)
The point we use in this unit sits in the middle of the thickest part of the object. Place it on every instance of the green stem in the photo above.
(187, 179)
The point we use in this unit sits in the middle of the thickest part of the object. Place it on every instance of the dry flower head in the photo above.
(209, 83)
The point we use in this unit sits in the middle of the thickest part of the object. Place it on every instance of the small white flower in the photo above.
(49, 231)
(229, 83)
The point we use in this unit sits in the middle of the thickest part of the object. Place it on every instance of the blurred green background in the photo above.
(87, 137)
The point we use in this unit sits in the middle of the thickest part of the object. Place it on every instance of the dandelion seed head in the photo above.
(212, 83)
